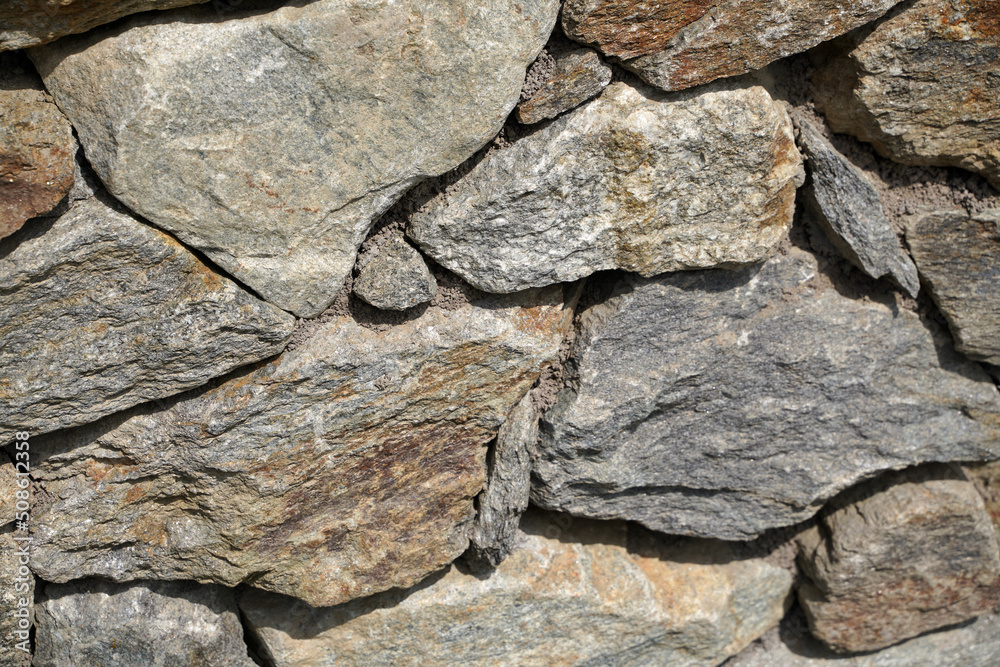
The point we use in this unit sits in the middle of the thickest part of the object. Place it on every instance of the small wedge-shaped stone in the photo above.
(721, 404)
(594, 594)
(577, 75)
(635, 180)
(891, 559)
(150, 623)
(397, 278)
(272, 140)
(17, 600)
(346, 467)
(849, 210)
(922, 87)
(102, 312)
(958, 256)
(686, 43)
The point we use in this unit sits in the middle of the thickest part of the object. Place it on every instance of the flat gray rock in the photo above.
(396, 278)
(722, 404)
(102, 312)
(849, 210)
(635, 179)
(271, 140)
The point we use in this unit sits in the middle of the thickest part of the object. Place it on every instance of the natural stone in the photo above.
(17, 600)
(271, 141)
(635, 179)
(911, 552)
(505, 492)
(722, 404)
(584, 596)
(36, 147)
(958, 256)
(345, 467)
(102, 312)
(986, 476)
(154, 623)
(849, 210)
(677, 45)
(922, 86)
(578, 74)
(397, 278)
(8, 487)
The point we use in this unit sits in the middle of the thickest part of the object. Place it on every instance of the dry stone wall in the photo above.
(513, 332)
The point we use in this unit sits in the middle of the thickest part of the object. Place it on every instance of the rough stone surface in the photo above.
(676, 45)
(635, 179)
(923, 86)
(911, 552)
(578, 74)
(721, 404)
(271, 141)
(986, 476)
(101, 312)
(19, 586)
(36, 147)
(8, 486)
(505, 493)
(156, 623)
(347, 466)
(566, 597)
(958, 256)
(397, 278)
(849, 210)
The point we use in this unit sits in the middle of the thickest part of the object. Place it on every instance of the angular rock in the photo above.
(347, 466)
(578, 74)
(36, 147)
(272, 140)
(675, 45)
(635, 179)
(722, 404)
(849, 210)
(958, 256)
(17, 601)
(911, 552)
(101, 312)
(563, 598)
(397, 278)
(154, 623)
(922, 87)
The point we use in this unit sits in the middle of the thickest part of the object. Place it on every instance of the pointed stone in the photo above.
(578, 74)
(397, 278)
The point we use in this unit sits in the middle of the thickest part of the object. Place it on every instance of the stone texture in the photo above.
(505, 493)
(958, 256)
(578, 74)
(397, 278)
(8, 486)
(155, 624)
(566, 597)
(18, 586)
(911, 552)
(635, 180)
(347, 466)
(36, 147)
(721, 404)
(101, 312)
(986, 476)
(849, 210)
(272, 140)
(676, 45)
(923, 86)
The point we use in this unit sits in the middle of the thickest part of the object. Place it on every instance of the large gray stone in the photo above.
(722, 404)
(272, 140)
(635, 179)
(102, 312)
(95, 623)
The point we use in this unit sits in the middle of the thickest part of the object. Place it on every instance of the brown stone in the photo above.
(986, 477)
(577, 75)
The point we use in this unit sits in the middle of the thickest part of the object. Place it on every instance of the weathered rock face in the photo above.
(346, 467)
(17, 610)
(564, 598)
(159, 624)
(912, 552)
(8, 487)
(396, 278)
(986, 476)
(721, 404)
(676, 45)
(634, 179)
(922, 86)
(271, 141)
(849, 210)
(101, 312)
(36, 148)
(958, 256)
(578, 74)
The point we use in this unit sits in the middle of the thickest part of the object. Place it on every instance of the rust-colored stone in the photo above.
(631, 28)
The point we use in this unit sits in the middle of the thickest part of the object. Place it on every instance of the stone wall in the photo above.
(500, 332)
